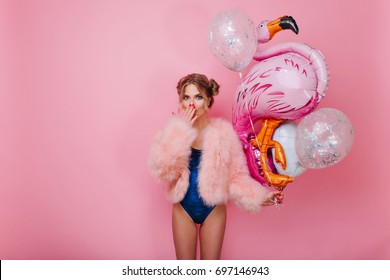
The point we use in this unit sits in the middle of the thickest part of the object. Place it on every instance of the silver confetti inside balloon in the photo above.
(324, 137)
(233, 39)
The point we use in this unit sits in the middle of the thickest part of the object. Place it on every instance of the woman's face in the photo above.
(193, 96)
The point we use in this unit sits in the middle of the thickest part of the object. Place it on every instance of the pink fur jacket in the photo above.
(223, 173)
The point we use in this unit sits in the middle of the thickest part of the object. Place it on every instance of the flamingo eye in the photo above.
(261, 25)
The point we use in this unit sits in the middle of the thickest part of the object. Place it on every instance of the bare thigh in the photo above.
(185, 233)
(212, 232)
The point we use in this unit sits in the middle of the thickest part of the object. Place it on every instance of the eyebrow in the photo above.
(195, 94)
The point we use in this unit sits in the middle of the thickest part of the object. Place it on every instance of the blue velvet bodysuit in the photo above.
(192, 202)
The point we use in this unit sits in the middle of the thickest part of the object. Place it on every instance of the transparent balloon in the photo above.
(233, 39)
(324, 138)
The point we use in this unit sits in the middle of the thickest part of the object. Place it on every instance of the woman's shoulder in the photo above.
(221, 124)
(222, 132)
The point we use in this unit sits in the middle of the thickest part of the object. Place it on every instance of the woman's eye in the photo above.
(185, 97)
(199, 97)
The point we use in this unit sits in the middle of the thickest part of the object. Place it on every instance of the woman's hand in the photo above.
(275, 197)
(189, 114)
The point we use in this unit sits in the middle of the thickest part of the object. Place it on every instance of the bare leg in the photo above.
(185, 233)
(212, 232)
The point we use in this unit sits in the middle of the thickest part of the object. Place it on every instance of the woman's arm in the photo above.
(245, 191)
(171, 149)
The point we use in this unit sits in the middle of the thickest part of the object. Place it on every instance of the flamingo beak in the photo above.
(285, 22)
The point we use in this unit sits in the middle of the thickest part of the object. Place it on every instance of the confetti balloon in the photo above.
(324, 137)
(233, 39)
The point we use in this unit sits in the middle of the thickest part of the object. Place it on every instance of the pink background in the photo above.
(85, 85)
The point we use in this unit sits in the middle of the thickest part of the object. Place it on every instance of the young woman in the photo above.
(202, 162)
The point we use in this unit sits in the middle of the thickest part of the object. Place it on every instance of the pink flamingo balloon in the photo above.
(287, 83)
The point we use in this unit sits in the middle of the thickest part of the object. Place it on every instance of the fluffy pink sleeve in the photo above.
(244, 191)
(170, 150)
